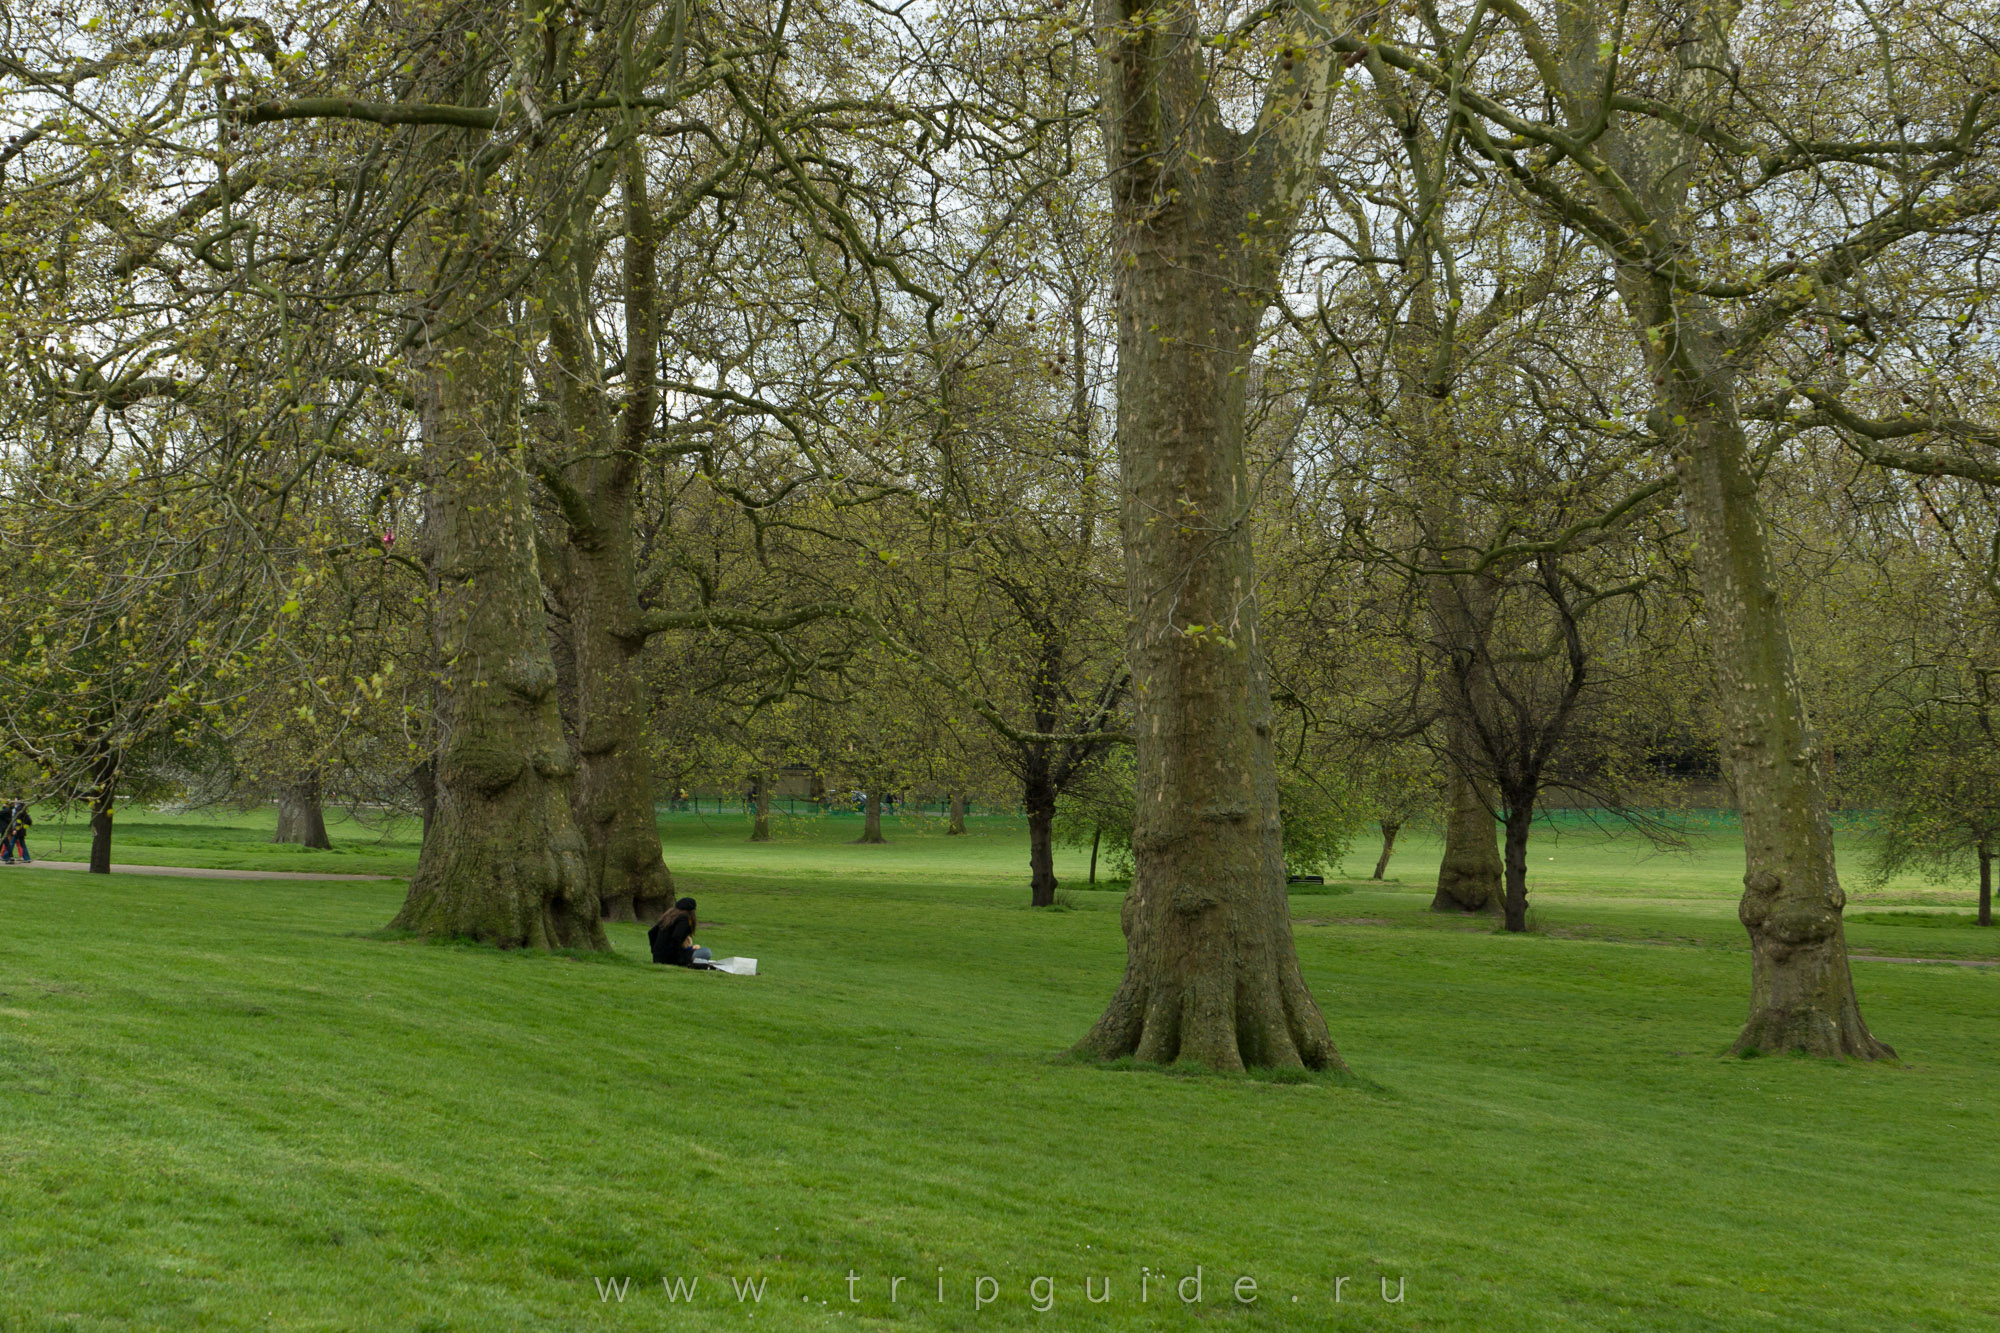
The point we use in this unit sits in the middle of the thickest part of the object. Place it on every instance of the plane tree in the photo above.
(1212, 146)
(1725, 163)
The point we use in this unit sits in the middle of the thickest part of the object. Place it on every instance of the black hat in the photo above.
(685, 904)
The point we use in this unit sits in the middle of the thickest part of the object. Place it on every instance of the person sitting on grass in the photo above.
(672, 938)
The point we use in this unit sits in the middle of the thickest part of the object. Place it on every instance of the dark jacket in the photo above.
(669, 938)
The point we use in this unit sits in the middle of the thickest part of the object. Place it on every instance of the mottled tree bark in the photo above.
(503, 862)
(1389, 830)
(1801, 988)
(1470, 877)
(301, 819)
(613, 798)
(1203, 216)
(955, 821)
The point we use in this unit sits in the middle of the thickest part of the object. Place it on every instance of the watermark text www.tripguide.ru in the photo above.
(1041, 1292)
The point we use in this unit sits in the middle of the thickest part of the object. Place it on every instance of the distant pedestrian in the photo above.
(16, 821)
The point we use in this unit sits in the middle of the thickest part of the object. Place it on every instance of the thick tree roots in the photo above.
(1801, 989)
(515, 891)
(1249, 1009)
(1467, 898)
(508, 916)
(1232, 1028)
(1810, 1032)
(1470, 878)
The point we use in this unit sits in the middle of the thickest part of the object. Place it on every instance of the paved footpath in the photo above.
(1954, 962)
(196, 872)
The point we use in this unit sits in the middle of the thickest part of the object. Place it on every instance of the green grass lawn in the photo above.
(233, 1104)
(230, 840)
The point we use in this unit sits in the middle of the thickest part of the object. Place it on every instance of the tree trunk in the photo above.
(1211, 972)
(1096, 836)
(424, 777)
(1519, 822)
(871, 816)
(504, 862)
(1469, 879)
(613, 799)
(300, 818)
(1985, 886)
(1801, 989)
(1389, 830)
(760, 828)
(955, 822)
(100, 841)
(103, 798)
(1039, 796)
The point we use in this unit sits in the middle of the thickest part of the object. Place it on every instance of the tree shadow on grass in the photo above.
(397, 935)
(1194, 1070)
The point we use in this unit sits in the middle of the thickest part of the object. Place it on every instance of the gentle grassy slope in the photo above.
(232, 1105)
